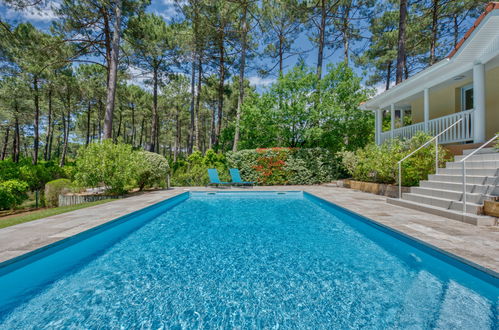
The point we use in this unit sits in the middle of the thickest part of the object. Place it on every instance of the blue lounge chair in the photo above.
(214, 179)
(236, 178)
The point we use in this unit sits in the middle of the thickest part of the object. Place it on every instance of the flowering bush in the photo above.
(281, 166)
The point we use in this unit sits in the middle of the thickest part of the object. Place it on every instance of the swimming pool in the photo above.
(248, 260)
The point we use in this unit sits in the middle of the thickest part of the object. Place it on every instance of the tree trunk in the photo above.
(221, 81)
(281, 54)
(113, 72)
(401, 41)
(198, 102)
(133, 126)
(65, 137)
(434, 31)
(89, 109)
(346, 36)
(177, 134)
(191, 108)
(154, 122)
(142, 131)
(456, 29)
(17, 139)
(388, 74)
(320, 50)
(46, 155)
(101, 110)
(5, 142)
(242, 66)
(36, 126)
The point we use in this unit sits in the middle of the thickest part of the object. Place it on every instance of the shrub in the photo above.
(375, 163)
(53, 189)
(12, 193)
(36, 176)
(193, 170)
(108, 164)
(278, 166)
(152, 169)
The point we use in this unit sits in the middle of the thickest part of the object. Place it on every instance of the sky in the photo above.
(166, 9)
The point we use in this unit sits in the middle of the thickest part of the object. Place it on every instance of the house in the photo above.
(465, 85)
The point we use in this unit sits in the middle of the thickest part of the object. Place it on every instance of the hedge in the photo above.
(53, 189)
(286, 166)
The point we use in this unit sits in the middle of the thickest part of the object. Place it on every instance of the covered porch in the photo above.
(462, 89)
(461, 99)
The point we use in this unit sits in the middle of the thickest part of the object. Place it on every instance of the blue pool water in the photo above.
(244, 260)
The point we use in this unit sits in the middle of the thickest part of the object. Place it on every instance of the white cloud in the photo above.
(42, 15)
(258, 81)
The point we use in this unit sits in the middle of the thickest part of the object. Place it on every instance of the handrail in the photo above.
(463, 161)
(399, 163)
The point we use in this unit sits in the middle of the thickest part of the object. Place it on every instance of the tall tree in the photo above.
(281, 23)
(96, 27)
(401, 42)
(152, 47)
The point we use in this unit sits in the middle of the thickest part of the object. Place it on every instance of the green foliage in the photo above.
(152, 169)
(53, 189)
(280, 166)
(36, 176)
(301, 111)
(12, 193)
(375, 163)
(193, 170)
(108, 164)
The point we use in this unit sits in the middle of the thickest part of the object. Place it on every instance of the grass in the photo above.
(39, 214)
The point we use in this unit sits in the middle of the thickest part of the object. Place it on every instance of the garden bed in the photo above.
(383, 189)
(491, 208)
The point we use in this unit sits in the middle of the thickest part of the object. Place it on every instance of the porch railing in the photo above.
(461, 132)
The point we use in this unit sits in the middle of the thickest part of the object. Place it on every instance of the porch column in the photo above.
(479, 102)
(392, 119)
(378, 121)
(402, 114)
(426, 108)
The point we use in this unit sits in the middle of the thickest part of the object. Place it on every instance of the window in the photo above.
(467, 97)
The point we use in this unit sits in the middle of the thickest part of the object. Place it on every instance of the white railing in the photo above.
(459, 133)
(463, 162)
(436, 139)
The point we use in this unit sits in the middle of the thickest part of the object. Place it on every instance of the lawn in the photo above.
(39, 214)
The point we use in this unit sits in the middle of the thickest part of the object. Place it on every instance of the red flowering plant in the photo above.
(270, 165)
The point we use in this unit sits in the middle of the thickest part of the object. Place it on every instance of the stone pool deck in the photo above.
(480, 245)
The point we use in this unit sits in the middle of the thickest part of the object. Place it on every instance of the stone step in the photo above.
(471, 188)
(469, 171)
(473, 219)
(479, 157)
(488, 164)
(443, 203)
(448, 194)
(470, 179)
(481, 151)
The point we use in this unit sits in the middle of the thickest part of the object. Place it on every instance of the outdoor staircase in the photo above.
(442, 193)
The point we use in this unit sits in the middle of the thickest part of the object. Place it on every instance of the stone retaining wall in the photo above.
(388, 190)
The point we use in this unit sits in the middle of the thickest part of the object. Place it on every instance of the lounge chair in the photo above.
(214, 179)
(236, 178)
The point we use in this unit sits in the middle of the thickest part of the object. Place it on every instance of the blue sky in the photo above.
(167, 10)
